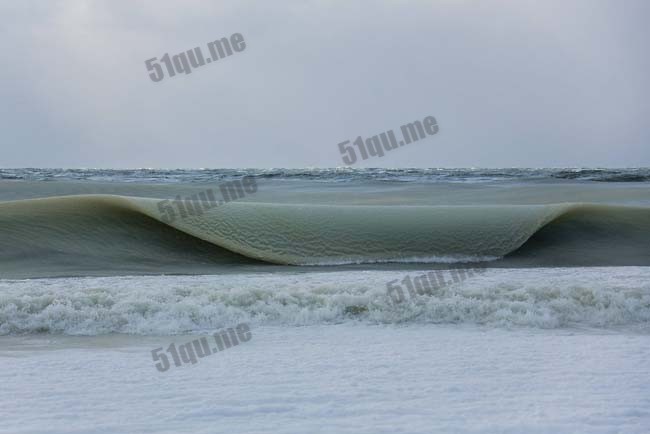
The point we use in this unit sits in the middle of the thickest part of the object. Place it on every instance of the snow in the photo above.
(352, 377)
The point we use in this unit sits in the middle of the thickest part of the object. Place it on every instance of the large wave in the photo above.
(76, 235)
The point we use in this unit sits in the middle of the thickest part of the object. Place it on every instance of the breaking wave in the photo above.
(156, 305)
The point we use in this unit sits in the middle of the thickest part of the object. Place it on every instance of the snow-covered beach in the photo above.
(346, 378)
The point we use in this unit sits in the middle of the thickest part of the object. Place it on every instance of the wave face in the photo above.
(91, 234)
(544, 298)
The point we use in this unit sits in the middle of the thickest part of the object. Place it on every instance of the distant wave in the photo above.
(341, 174)
(537, 298)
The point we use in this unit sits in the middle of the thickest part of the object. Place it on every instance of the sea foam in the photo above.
(155, 305)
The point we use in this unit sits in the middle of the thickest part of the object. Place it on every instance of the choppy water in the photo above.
(341, 174)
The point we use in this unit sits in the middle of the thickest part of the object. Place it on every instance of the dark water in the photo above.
(337, 174)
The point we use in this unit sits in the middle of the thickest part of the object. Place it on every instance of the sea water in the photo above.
(553, 335)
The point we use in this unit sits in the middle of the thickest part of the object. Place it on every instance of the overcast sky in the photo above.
(511, 83)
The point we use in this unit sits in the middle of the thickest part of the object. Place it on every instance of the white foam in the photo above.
(544, 298)
(434, 259)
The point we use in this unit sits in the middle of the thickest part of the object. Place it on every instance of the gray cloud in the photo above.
(512, 83)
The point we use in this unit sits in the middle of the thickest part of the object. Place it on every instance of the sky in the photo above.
(554, 83)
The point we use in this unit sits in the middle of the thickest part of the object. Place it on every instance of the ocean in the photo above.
(524, 300)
